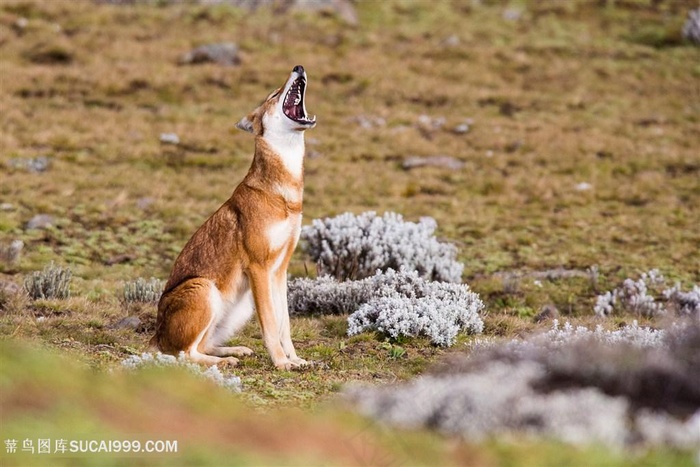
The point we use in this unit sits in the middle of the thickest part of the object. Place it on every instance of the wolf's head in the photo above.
(283, 110)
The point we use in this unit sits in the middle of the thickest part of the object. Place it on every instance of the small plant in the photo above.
(142, 291)
(350, 247)
(11, 254)
(649, 296)
(683, 303)
(52, 282)
(395, 351)
(558, 336)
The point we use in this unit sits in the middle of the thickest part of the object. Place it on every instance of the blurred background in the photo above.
(555, 142)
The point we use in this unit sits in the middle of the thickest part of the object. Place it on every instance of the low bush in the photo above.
(597, 388)
(325, 296)
(52, 282)
(649, 296)
(142, 291)
(691, 28)
(350, 247)
(394, 303)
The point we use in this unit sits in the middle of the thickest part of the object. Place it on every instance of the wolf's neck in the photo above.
(288, 148)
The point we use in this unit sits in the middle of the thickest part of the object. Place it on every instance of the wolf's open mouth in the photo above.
(293, 106)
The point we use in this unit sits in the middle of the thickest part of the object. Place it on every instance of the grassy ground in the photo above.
(571, 93)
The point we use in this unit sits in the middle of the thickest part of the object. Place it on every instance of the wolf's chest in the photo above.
(284, 234)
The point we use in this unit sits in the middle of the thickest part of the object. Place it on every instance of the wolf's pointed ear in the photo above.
(246, 124)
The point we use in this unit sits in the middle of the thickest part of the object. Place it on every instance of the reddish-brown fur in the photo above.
(232, 253)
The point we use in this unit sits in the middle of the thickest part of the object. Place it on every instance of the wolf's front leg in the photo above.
(282, 308)
(261, 284)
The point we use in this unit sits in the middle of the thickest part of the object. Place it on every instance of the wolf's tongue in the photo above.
(295, 111)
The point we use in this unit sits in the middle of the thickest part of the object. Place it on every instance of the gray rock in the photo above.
(169, 138)
(20, 25)
(583, 186)
(427, 125)
(512, 14)
(547, 313)
(367, 122)
(40, 221)
(33, 165)
(313, 154)
(430, 123)
(461, 129)
(343, 9)
(447, 162)
(145, 203)
(451, 41)
(130, 322)
(12, 253)
(225, 53)
(9, 288)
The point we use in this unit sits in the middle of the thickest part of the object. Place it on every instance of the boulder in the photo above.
(40, 221)
(224, 53)
(447, 162)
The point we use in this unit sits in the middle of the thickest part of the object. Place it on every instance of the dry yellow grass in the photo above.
(561, 97)
(603, 99)
(582, 150)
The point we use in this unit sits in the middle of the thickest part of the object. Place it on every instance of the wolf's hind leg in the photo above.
(186, 317)
(209, 360)
(239, 351)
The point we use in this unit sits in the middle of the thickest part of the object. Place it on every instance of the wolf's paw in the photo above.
(243, 351)
(227, 362)
(291, 364)
(239, 351)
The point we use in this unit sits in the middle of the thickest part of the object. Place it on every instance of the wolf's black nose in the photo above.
(299, 69)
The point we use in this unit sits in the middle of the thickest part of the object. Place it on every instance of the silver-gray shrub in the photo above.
(683, 303)
(354, 247)
(691, 28)
(394, 303)
(499, 400)
(566, 335)
(326, 296)
(440, 319)
(142, 291)
(52, 282)
(404, 304)
(649, 296)
(597, 388)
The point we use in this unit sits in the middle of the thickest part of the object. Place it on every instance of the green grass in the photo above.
(48, 397)
(572, 92)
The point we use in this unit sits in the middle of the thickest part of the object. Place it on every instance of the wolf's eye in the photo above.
(274, 94)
